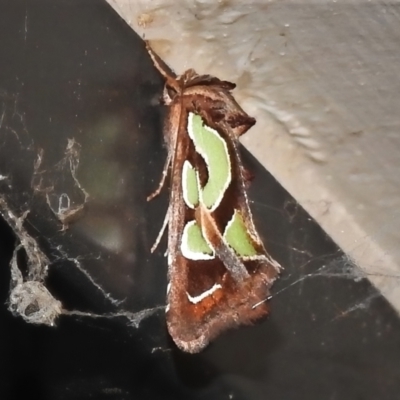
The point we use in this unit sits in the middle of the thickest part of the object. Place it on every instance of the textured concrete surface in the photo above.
(322, 79)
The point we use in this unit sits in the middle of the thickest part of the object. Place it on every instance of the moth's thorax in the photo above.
(217, 107)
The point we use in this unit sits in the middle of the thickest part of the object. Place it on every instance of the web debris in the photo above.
(30, 299)
(63, 193)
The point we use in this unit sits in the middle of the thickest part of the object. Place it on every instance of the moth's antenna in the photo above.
(161, 66)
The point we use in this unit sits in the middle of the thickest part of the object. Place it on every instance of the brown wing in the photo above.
(205, 298)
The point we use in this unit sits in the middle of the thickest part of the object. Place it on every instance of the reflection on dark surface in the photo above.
(80, 149)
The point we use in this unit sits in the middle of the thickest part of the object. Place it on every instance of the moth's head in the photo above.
(176, 85)
(172, 88)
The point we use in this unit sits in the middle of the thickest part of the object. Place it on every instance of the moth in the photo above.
(219, 271)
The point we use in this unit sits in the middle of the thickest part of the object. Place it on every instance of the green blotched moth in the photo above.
(219, 271)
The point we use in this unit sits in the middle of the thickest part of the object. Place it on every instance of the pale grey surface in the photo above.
(322, 80)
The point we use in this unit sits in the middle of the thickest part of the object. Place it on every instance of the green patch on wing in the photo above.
(190, 185)
(212, 147)
(195, 241)
(237, 237)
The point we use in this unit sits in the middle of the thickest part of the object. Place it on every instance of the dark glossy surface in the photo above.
(81, 145)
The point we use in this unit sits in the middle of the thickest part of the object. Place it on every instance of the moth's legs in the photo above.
(163, 177)
(162, 230)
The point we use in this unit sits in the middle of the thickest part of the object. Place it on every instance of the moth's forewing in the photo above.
(204, 298)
